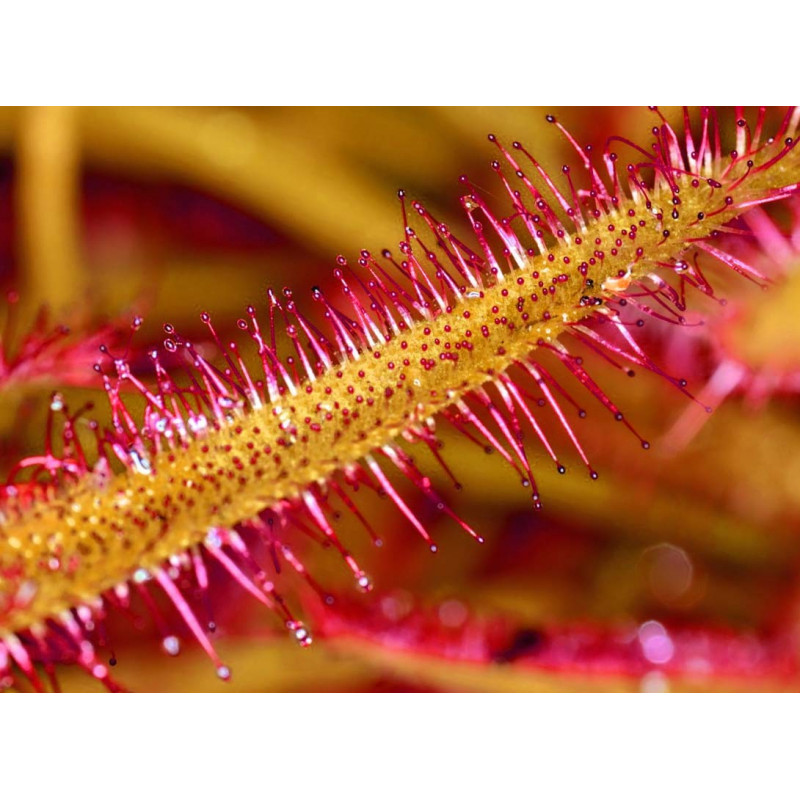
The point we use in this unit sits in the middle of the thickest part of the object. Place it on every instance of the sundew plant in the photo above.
(364, 413)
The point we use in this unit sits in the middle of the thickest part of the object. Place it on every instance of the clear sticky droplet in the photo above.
(300, 632)
(198, 423)
(140, 463)
(364, 582)
(303, 637)
(141, 575)
(171, 645)
(213, 539)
